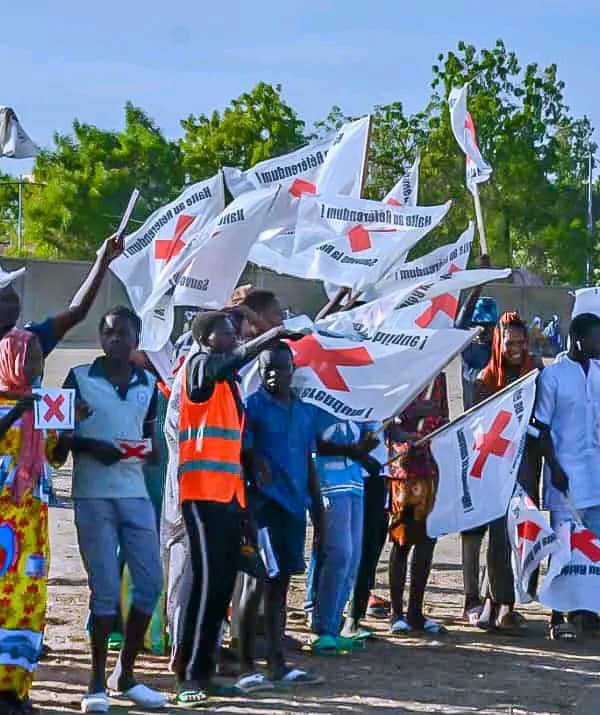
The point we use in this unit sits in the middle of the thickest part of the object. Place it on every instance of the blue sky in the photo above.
(66, 59)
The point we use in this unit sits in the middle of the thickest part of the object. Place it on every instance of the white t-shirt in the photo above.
(568, 401)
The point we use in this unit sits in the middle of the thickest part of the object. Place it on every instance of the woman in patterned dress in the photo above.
(24, 547)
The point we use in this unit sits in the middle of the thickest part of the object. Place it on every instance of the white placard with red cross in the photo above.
(55, 409)
(478, 457)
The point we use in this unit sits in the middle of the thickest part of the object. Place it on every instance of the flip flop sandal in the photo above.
(223, 691)
(473, 615)
(115, 641)
(324, 645)
(142, 696)
(296, 676)
(95, 703)
(400, 627)
(434, 628)
(562, 632)
(349, 645)
(191, 699)
(253, 683)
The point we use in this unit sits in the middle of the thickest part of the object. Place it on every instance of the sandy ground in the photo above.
(466, 671)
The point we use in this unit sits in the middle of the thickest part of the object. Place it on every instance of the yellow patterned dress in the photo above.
(24, 563)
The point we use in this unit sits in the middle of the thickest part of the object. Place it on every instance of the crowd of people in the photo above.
(207, 529)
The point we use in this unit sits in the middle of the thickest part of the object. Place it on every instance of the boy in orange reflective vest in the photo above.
(212, 490)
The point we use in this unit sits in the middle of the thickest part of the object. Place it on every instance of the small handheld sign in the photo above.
(55, 409)
(134, 450)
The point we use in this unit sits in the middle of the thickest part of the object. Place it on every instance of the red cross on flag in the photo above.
(354, 242)
(428, 305)
(207, 269)
(55, 409)
(477, 169)
(167, 248)
(573, 579)
(373, 377)
(532, 540)
(150, 251)
(478, 456)
(444, 260)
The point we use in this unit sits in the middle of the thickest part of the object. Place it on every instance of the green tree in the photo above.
(87, 179)
(9, 197)
(256, 126)
(534, 203)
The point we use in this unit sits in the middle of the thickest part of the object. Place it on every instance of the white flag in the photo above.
(150, 251)
(354, 242)
(405, 192)
(9, 277)
(372, 378)
(432, 304)
(573, 579)
(477, 169)
(587, 300)
(14, 140)
(443, 261)
(331, 166)
(532, 540)
(334, 166)
(478, 456)
(207, 269)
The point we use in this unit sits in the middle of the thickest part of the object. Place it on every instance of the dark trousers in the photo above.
(275, 595)
(374, 536)
(420, 568)
(214, 532)
(499, 576)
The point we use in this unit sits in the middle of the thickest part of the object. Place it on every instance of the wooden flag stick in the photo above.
(443, 428)
(416, 391)
(480, 225)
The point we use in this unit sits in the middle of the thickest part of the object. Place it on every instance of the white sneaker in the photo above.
(95, 703)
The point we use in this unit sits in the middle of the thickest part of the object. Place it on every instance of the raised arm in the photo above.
(86, 295)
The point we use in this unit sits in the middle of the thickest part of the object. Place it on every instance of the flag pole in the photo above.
(353, 297)
(590, 224)
(480, 224)
(443, 428)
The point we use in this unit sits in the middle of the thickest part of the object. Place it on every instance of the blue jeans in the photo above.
(333, 570)
(103, 526)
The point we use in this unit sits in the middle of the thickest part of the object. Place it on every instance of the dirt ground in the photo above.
(466, 671)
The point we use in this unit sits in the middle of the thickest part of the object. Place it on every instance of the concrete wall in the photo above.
(48, 287)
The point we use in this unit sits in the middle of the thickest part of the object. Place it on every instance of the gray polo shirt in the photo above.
(115, 415)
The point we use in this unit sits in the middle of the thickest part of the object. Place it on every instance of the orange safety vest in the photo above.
(210, 442)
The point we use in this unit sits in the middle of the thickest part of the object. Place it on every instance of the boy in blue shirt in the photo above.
(279, 438)
(342, 453)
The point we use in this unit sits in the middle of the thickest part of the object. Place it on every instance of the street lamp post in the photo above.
(590, 225)
(20, 216)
